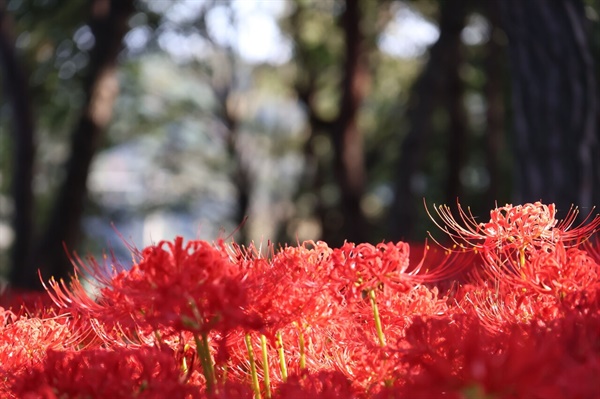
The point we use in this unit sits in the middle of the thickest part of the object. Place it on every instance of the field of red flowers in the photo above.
(510, 309)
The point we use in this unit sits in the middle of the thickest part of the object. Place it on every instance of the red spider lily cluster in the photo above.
(513, 311)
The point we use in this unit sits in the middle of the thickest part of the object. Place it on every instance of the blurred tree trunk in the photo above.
(306, 87)
(237, 155)
(555, 102)
(17, 90)
(224, 80)
(349, 164)
(454, 104)
(439, 75)
(494, 67)
(345, 221)
(109, 23)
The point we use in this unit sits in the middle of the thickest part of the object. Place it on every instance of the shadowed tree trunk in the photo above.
(222, 86)
(454, 91)
(17, 90)
(349, 164)
(306, 87)
(240, 173)
(108, 23)
(494, 66)
(555, 102)
(436, 78)
(347, 221)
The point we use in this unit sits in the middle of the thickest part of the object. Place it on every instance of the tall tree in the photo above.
(347, 138)
(555, 102)
(17, 90)
(108, 24)
(346, 170)
(494, 69)
(240, 174)
(438, 83)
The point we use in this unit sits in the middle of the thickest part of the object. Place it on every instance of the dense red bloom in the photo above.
(387, 265)
(366, 267)
(122, 373)
(522, 320)
(515, 227)
(291, 290)
(461, 358)
(323, 385)
(24, 340)
(525, 247)
(232, 390)
(192, 287)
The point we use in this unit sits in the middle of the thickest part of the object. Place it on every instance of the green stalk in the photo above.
(208, 369)
(282, 363)
(184, 364)
(302, 351)
(377, 318)
(255, 386)
(263, 347)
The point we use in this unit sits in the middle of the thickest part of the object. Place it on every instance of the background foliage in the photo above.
(284, 120)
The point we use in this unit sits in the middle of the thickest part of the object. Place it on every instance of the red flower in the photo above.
(24, 342)
(458, 358)
(291, 286)
(323, 385)
(515, 227)
(193, 287)
(123, 373)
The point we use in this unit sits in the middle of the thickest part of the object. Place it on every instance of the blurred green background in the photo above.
(284, 120)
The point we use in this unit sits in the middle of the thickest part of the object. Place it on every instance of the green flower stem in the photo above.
(184, 364)
(377, 318)
(263, 347)
(203, 350)
(282, 363)
(254, 375)
(302, 349)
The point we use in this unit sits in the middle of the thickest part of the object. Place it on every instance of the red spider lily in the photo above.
(524, 322)
(514, 227)
(464, 360)
(24, 342)
(323, 385)
(365, 267)
(290, 287)
(193, 287)
(232, 390)
(583, 302)
(90, 313)
(6, 317)
(556, 270)
(124, 373)
(498, 309)
(562, 270)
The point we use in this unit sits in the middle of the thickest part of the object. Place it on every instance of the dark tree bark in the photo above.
(347, 221)
(108, 23)
(457, 118)
(240, 173)
(439, 75)
(17, 90)
(555, 102)
(349, 164)
(494, 68)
